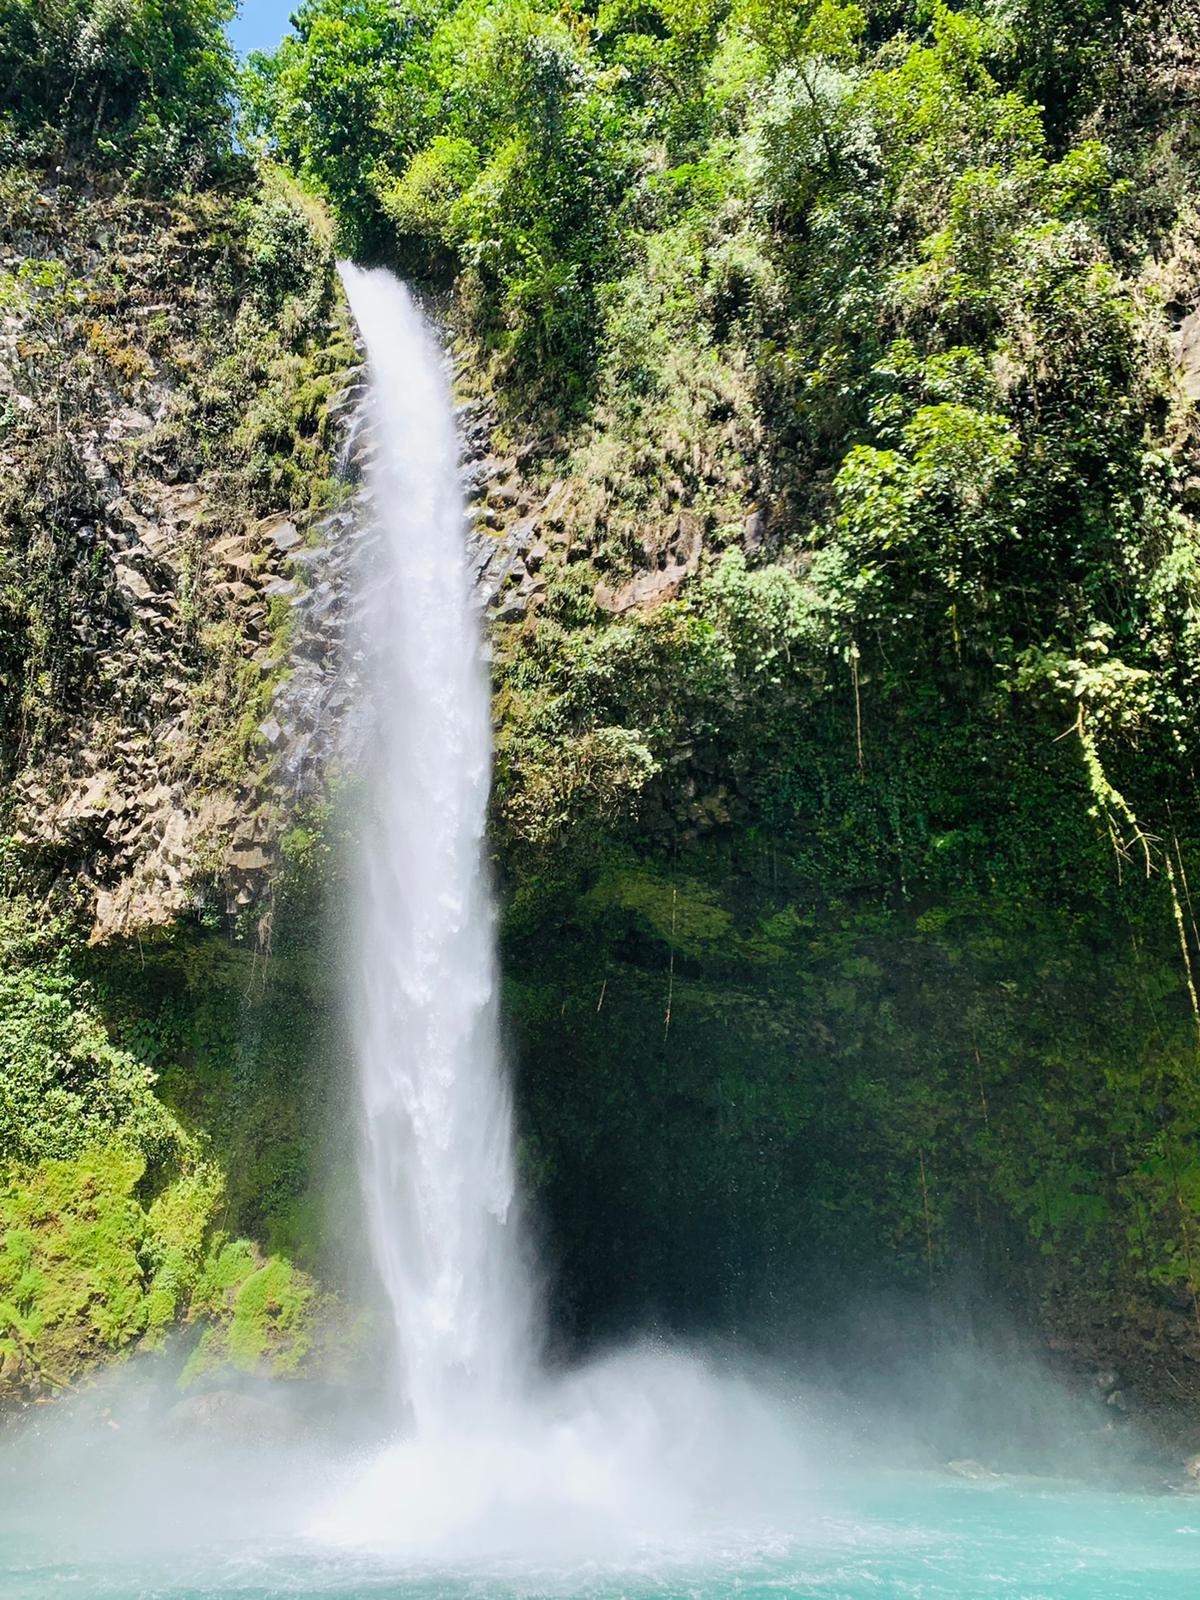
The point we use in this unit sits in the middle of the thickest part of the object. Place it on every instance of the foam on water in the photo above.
(871, 1534)
(650, 1450)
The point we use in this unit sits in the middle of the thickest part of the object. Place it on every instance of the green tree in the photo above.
(151, 80)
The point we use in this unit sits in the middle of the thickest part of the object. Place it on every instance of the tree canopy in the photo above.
(150, 81)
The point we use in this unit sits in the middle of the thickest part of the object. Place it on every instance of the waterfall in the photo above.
(640, 1450)
(438, 1164)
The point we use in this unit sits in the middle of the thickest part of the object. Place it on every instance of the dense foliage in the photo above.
(926, 317)
(846, 797)
(158, 1161)
(883, 299)
(148, 82)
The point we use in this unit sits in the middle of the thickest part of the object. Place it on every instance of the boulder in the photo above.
(312, 556)
(132, 583)
(974, 1471)
(283, 535)
(755, 532)
(1189, 355)
(247, 857)
(223, 1416)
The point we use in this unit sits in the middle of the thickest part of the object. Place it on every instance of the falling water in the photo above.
(497, 1454)
(439, 1161)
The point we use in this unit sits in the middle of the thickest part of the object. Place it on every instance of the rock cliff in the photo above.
(176, 380)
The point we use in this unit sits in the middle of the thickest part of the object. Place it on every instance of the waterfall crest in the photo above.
(439, 1176)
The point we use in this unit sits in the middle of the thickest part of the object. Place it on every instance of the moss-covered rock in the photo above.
(189, 350)
(172, 1165)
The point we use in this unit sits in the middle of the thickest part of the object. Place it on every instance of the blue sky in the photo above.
(260, 24)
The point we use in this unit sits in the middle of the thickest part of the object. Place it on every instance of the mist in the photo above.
(651, 1453)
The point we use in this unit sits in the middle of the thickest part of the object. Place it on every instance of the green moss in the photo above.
(268, 1315)
(87, 1270)
(179, 1222)
(71, 1270)
(683, 912)
(263, 1315)
(182, 1166)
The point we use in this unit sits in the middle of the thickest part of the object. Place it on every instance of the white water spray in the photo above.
(439, 1166)
(648, 1449)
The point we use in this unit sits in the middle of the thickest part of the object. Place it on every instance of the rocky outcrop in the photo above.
(1189, 355)
(121, 794)
(676, 559)
(307, 726)
(512, 527)
(175, 423)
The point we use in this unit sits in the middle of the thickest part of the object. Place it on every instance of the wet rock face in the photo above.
(514, 528)
(147, 511)
(129, 804)
(230, 1418)
(120, 793)
(506, 542)
(306, 730)
(317, 717)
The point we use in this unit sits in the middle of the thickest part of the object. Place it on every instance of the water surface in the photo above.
(896, 1535)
